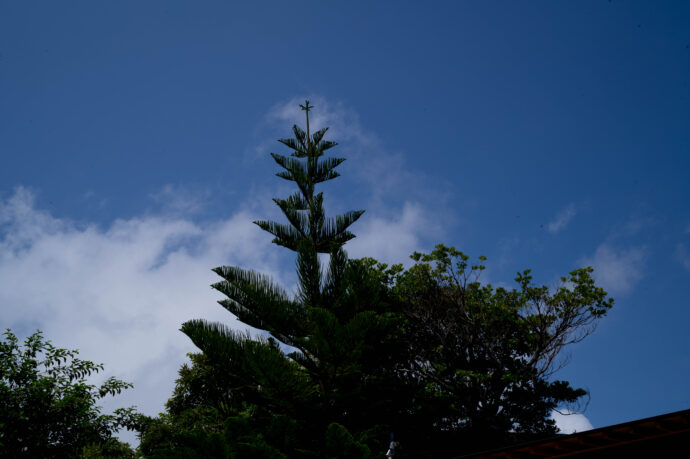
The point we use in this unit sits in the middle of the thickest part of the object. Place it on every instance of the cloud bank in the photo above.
(120, 293)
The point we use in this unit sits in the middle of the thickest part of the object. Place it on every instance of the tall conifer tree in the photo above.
(333, 326)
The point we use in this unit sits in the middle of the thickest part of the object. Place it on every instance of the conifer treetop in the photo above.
(304, 211)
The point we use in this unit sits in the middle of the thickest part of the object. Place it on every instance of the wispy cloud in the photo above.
(383, 172)
(179, 200)
(617, 270)
(561, 219)
(343, 122)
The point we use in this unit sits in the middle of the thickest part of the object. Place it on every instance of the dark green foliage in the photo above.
(48, 410)
(111, 448)
(195, 433)
(198, 384)
(341, 445)
(485, 355)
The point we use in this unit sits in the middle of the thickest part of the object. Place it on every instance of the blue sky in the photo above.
(134, 139)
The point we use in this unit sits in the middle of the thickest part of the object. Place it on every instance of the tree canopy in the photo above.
(364, 352)
(486, 356)
(47, 408)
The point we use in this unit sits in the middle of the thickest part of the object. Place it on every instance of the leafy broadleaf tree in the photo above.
(47, 409)
(337, 325)
(486, 356)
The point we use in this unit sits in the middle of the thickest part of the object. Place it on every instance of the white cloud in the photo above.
(562, 219)
(392, 241)
(120, 294)
(617, 271)
(179, 200)
(569, 422)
